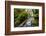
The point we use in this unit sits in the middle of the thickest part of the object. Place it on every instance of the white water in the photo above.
(28, 23)
(29, 20)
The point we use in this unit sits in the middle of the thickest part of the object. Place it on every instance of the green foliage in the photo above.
(36, 17)
(18, 10)
(20, 15)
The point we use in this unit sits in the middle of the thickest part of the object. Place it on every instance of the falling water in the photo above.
(28, 23)
(30, 18)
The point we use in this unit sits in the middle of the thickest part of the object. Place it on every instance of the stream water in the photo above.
(28, 23)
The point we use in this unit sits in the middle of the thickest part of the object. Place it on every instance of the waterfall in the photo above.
(30, 18)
